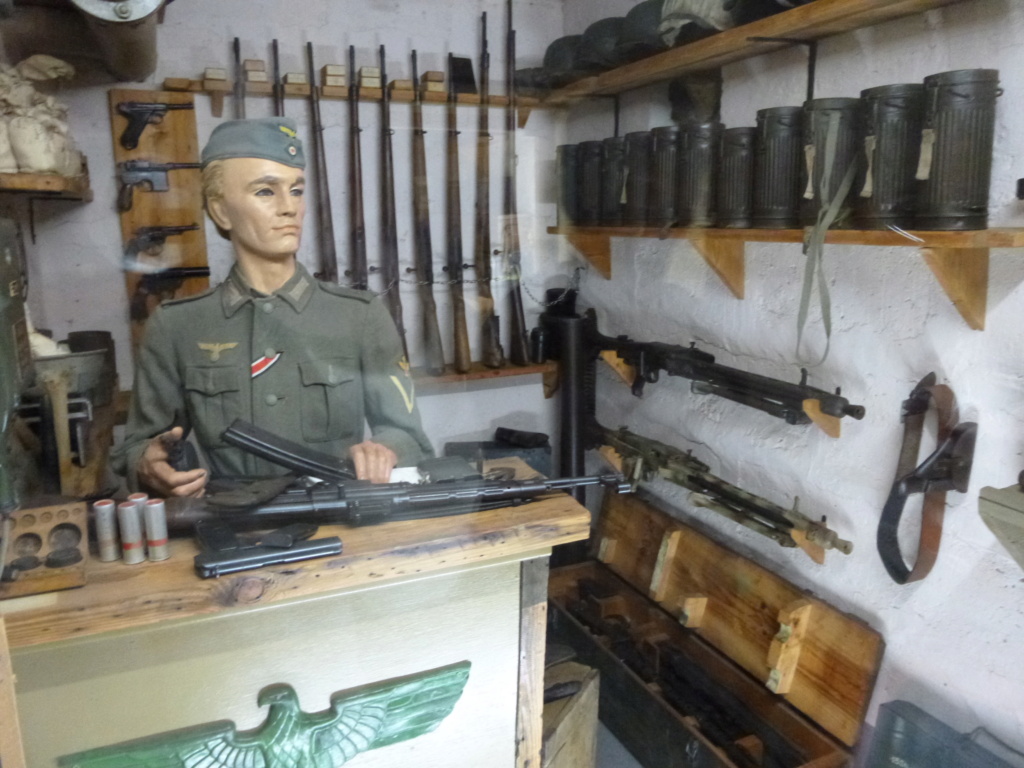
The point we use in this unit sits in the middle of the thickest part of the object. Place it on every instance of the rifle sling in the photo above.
(915, 409)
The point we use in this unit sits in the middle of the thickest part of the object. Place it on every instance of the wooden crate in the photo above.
(570, 724)
(673, 620)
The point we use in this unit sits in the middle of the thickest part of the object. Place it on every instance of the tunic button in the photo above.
(271, 399)
(267, 307)
(269, 352)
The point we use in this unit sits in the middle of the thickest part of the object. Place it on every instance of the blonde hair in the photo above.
(212, 181)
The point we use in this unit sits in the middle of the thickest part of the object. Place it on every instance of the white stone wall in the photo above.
(954, 641)
(75, 264)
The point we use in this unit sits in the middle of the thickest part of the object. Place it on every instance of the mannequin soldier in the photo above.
(311, 361)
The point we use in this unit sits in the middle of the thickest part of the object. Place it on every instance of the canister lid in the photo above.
(590, 146)
(738, 132)
(764, 114)
(961, 76)
(614, 141)
(664, 131)
(638, 136)
(895, 89)
(816, 105)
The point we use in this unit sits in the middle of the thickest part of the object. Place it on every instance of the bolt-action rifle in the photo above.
(358, 271)
(424, 258)
(140, 114)
(389, 269)
(491, 353)
(641, 459)
(328, 251)
(453, 219)
(278, 85)
(143, 173)
(795, 403)
(517, 350)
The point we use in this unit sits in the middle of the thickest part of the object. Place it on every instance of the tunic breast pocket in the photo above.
(214, 396)
(331, 399)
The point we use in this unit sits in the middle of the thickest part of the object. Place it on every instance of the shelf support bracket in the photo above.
(963, 275)
(726, 258)
(595, 248)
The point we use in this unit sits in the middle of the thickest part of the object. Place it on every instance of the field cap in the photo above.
(269, 138)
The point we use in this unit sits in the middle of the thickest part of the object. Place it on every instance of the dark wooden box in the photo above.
(707, 659)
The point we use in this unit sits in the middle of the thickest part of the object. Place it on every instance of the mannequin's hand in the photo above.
(161, 478)
(373, 461)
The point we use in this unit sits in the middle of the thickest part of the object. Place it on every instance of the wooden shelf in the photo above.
(819, 19)
(480, 372)
(958, 259)
(47, 185)
(219, 88)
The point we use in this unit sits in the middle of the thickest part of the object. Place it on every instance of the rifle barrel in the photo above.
(328, 251)
(453, 209)
(518, 350)
(421, 224)
(389, 226)
(358, 271)
(278, 86)
(491, 353)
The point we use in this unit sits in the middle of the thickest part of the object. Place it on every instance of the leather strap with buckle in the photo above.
(947, 468)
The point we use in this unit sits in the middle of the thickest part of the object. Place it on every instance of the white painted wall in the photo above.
(75, 270)
(955, 640)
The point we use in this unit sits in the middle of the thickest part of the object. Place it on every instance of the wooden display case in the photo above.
(673, 620)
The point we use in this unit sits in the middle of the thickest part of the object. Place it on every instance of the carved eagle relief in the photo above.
(358, 720)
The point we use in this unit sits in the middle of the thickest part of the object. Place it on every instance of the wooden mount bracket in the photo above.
(963, 275)
(726, 258)
(691, 610)
(784, 653)
(663, 566)
(606, 550)
(595, 248)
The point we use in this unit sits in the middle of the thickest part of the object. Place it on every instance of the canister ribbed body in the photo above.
(819, 116)
(638, 174)
(567, 169)
(613, 177)
(957, 139)
(698, 169)
(736, 178)
(891, 118)
(664, 164)
(589, 191)
(778, 154)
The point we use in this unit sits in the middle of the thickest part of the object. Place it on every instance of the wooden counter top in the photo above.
(119, 596)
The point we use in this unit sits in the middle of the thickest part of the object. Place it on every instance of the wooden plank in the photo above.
(478, 372)
(120, 596)
(173, 140)
(570, 724)
(839, 659)
(808, 22)
(47, 184)
(1000, 237)
(533, 621)
(12, 754)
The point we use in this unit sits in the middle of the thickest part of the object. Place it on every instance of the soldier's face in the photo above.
(262, 208)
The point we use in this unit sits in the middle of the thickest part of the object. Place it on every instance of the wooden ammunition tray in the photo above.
(674, 621)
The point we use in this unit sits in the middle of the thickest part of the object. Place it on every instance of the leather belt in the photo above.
(947, 468)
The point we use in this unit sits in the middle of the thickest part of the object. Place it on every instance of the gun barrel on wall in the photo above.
(453, 211)
(491, 353)
(358, 270)
(517, 351)
(328, 250)
(431, 333)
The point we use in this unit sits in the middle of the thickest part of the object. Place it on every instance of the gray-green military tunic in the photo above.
(313, 362)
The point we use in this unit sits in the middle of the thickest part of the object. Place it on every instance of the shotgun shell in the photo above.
(140, 499)
(132, 545)
(105, 515)
(156, 530)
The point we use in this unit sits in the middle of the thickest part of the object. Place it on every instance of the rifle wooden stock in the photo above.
(388, 224)
(518, 352)
(491, 353)
(358, 270)
(328, 252)
(453, 210)
(431, 333)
